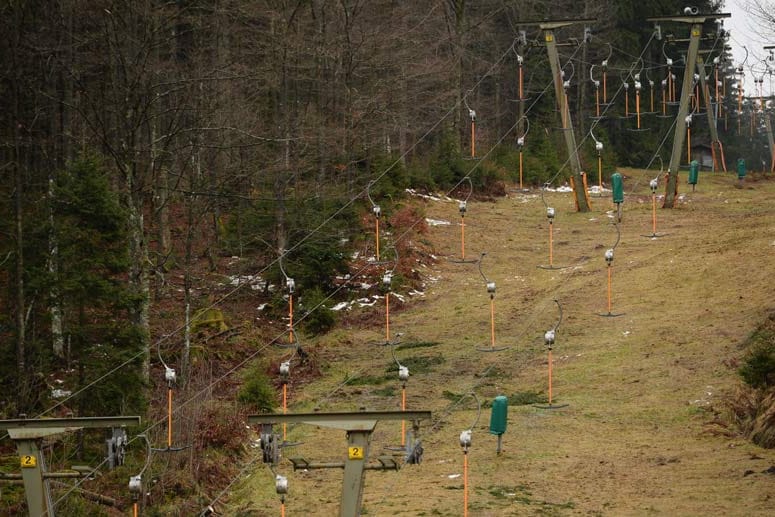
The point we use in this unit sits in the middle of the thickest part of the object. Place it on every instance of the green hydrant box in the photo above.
(499, 415)
(694, 172)
(617, 187)
(740, 168)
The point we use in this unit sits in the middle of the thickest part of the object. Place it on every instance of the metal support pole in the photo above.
(463, 229)
(376, 236)
(465, 483)
(768, 125)
(686, 88)
(359, 426)
(492, 321)
(562, 102)
(550, 376)
(27, 434)
(35, 490)
(352, 485)
(387, 317)
(712, 119)
(403, 408)
(290, 317)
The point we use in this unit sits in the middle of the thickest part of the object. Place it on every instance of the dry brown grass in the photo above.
(753, 411)
(643, 389)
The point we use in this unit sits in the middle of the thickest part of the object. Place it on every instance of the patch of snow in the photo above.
(626, 333)
(341, 305)
(413, 192)
(436, 222)
(364, 285)
(254, 281)
(415, 292)
(453, 476)
(262, 307)
(58, 394)
(563, 188)
(595, 189)
(400, 297)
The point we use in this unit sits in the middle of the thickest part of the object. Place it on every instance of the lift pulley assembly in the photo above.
(609, 259)
(550, 214)
(465, 443)
(463, 208)
(549, 338)
(290, 285)
(377, 211)
(490, 285)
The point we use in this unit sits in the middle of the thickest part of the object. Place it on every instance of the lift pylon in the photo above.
(28, 434)
(695, 21)
(548, 28)
(712, 120)
(359, 426)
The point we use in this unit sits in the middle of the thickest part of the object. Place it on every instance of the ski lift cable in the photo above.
(236, 289)
(303, 239)
(77, 484)
(441, 416)
(559, 320)
(298, 244)
(232, 292)
(527, 129)
(596, 122)
(668, 132)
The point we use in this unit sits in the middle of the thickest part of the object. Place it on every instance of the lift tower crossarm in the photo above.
(695, 34)
(27, 433)
(359, 426)
(548, 27)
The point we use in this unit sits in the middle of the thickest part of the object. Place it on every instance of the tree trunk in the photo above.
(21, 364)
(55, 310)
(138, 270)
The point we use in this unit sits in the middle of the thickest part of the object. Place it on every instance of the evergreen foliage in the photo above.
(89, 227)
(256, 391)
(758, 368)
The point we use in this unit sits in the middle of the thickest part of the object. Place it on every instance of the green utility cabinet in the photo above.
(617, 187)
(499, 415)
(694, 172)
(741, 168)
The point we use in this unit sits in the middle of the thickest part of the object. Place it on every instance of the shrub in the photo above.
(758, 368)
(753, 406)
(257, 390)
(321, 319)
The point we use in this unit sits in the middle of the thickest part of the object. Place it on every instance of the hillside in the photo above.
(645, 428)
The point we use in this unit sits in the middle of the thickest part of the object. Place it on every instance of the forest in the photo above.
(146, 143)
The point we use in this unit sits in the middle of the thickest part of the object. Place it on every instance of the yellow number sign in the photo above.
(695, 32)
(355, 453)
(549, 37)
(29, 462)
